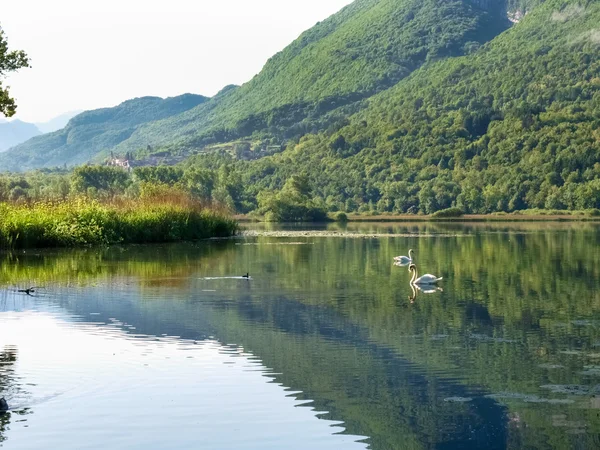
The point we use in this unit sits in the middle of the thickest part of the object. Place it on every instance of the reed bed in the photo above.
(84, 222)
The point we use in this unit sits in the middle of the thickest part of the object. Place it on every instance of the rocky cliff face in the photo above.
(513, 10)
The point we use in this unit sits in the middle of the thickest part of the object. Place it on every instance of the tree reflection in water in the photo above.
(8, 357)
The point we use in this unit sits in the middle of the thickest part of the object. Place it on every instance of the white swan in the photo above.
(424, 280)
(403, 260)
(399, 264)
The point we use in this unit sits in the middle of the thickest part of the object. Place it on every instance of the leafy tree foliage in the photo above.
(292, 203)
(10, 61)
(95, 179)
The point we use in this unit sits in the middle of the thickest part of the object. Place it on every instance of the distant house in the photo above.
(118, 162)
(516, 16)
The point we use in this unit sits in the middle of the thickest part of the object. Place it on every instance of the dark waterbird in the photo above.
(3, 405)
(28, 291)
(247, 275)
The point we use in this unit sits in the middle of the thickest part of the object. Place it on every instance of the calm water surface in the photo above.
(326, 347)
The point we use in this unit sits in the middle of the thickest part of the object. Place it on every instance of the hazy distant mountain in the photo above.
(57, 123)
(14, 132)
(92, 132)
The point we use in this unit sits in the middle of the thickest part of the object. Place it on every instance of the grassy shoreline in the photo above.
(82, 222)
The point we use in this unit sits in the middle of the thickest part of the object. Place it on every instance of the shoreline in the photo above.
(467, 218)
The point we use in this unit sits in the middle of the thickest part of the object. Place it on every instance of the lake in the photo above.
(325, 347)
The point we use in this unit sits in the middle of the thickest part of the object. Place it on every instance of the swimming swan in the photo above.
(405, 259)
(425, 279)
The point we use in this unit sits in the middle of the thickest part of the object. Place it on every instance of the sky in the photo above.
(92, 54)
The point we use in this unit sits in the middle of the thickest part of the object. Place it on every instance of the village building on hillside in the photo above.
(123, 162)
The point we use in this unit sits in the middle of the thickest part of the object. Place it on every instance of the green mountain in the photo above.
(398, 106)
(92, 132)
(322, 76)
(512, 126)
(365, 48)
(15, 132)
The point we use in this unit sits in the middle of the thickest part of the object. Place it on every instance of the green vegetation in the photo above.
(92, 133)
(10, 61)
(292, 203)
(341, 217)
(82, 222)
(324, 76)
(313, 84)
(394, 107)
(510, 127)
(448, 213)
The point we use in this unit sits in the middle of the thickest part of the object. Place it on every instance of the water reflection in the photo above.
(506, 356)
(151, 391)
(427, 290)
(8, 356)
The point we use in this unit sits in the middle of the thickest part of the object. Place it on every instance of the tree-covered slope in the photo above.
(92, 132)
(514, 125)
(509, 127)
(365, 48)
(315, 82)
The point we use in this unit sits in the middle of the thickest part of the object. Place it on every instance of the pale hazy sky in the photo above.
(88, 54)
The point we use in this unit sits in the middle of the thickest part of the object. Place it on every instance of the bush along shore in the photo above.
(84, 222)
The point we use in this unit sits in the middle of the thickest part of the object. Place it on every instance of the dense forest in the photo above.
(397, 106)
(513, 126)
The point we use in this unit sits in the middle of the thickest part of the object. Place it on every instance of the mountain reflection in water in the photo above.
(141, 339)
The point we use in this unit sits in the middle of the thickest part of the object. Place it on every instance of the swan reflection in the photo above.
(416, 289)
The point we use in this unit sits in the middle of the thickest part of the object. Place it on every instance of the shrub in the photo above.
(341, 217)
(271, 217)
(450, 212)
(594, 212)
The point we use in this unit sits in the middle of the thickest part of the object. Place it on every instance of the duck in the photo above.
(405, 259)
(27, 291)
(3, 405)
(426, 279)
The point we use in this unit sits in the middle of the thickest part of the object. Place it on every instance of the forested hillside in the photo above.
(314, 83)
(513, 126)
(321, 77)
(400, 106)
(89, 133)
